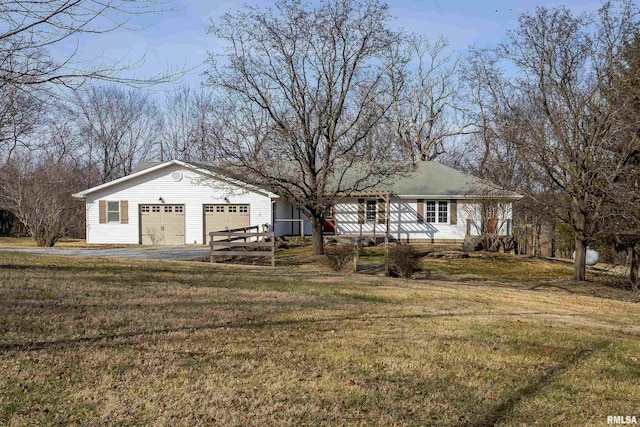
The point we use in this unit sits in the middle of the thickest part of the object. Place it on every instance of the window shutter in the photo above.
(453, 212)
(420, 210)
(102, 211)
(124, 212)
(360, 211)
(382, 211)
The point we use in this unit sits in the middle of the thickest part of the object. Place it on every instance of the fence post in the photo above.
(386, 256)
(212, 258)
(273, 251)
(355, 255)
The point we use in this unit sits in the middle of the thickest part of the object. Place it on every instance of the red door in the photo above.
(329, 225)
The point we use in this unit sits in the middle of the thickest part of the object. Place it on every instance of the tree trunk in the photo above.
(633, 271)
(318, 242)
(579, 264)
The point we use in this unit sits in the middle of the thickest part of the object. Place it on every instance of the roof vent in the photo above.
(177, 176)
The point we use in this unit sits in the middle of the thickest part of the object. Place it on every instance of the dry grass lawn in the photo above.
(489, 341)
(65, 243)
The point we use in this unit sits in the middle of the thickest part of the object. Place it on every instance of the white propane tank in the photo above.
(591, 258)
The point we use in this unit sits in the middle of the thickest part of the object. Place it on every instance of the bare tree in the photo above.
(37, 191)
(303, 95)
(428, 108)
(37, 41)
(187, 122)
(559, 112)
(622, 230)
(119, 128)
(20, 115)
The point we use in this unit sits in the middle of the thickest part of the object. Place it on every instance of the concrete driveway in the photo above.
(176, 253)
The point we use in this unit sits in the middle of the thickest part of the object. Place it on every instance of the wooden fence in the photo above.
(242, 238)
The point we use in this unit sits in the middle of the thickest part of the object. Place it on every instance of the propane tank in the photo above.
(591, 257)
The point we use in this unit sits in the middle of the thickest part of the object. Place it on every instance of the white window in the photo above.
(113, 212)
(436, 212)
(430, 212)
(372, 210)
(443, 209)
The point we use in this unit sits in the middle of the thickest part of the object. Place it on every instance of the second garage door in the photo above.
(162, 224)
(224, 217)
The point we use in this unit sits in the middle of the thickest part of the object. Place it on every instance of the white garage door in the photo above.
(224, 217)
(162, 224)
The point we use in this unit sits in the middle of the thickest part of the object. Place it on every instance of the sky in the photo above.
(178, 40)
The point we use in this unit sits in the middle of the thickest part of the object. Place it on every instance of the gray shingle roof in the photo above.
(435, 179)
(426, 179)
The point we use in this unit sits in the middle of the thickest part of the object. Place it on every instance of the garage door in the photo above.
(162, 224)
(224, 217)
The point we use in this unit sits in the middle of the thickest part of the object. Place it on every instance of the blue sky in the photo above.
(178, 39)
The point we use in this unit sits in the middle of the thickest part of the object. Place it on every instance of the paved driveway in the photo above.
(179, 253)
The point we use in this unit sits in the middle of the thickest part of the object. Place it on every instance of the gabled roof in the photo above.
(146, 167)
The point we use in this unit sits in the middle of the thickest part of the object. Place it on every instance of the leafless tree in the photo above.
(428, 109)
(303, 95)
(558, 109)
(39, 41)
(37, 189)
(20, 115)
(622, 230)
(118, 126)
(187, 121)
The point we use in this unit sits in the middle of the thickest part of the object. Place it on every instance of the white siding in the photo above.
(192, 191)
(403, 221)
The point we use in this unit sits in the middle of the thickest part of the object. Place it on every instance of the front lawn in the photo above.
(126, 342)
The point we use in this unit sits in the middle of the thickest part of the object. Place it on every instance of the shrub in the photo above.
(405, 259)
(338, 256)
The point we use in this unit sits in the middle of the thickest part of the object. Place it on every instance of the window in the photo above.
(244, 209)
(443, 212)
(113, 211)
(436, 212)
(233, 209)
(155, 209)
(145, 209)
(430, 212)
(179, 209)
(168, 208)
(372, 210)
(219, 209)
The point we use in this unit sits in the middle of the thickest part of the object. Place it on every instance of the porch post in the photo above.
(387, 235)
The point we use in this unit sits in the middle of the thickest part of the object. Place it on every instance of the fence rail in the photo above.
(237, 238)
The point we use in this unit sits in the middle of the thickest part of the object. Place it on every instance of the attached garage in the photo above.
(222, 217)
(162, 224)
(172, 203)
